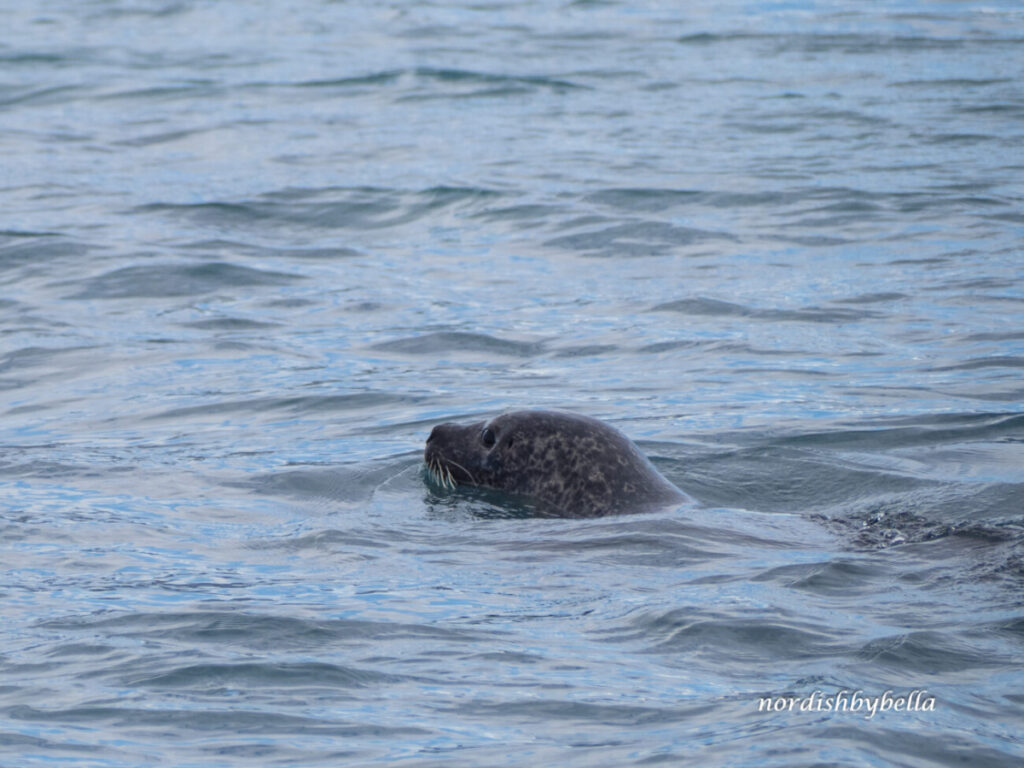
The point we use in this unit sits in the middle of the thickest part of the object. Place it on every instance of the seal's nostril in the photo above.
(433, 434)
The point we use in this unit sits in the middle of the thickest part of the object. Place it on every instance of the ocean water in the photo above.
(252, 252)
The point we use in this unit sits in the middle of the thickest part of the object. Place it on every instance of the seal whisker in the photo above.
(470, 474)
(434, 471)
(440, 473)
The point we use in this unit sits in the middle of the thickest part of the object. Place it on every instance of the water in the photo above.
(251, 253)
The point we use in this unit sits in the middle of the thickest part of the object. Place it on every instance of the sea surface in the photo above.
(252, 252)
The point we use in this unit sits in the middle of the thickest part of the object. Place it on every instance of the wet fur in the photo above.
(568, 465)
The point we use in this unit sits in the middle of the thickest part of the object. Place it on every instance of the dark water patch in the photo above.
(359, 208)
(902, 746)
(257, 631)
(694, 633)
(159, 10)
(784, 479)
(190, 89)
(173, 280)
(950, 82)
(659, 347)
(39, 251)
(447, 342)
(713, 38)
(929, 656)
(1009, 216)
(995, 336)
(867, 44)
(305, 676)
(709, 307)
(874, 298)
(523, 212)
(42, 468)
(232, 247)
(19, 96)
(38, 57)
(1005, 361)
(931, 430)
(230, 324)
(36, 357)
(364, 306)
(235, 721)
(19, 233)
(645, 199)
(83, 650)
(638, 238)
(493, 92)
(463, 76)
(386, 77)
(838, 44)
(834, 578)
(161, 137)
(307, 404)
(557, 710)
(974, 283)
(961, 139)
(1001, 109)
(586, 350)
(928, 260)
(813, 241)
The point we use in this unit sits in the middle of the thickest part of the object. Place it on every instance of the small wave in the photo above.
(693, 632)
(56, 94)
(470, 76)
(236, 247)
(30, 248)
(279, 676)
(837, 577)
(254, 631)
(200, 720)
(385, 77)
(704, 306)
(459, 341)
(999, 361)
(341, 484)
(645, 199)
(230, 324)
(638, 238)
(169, 280)
(922, 656)
(358, 208)
(586, 350)
(930, 430)
(311, 404)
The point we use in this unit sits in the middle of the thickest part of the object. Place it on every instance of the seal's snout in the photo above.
(442, 457)
(437, 432)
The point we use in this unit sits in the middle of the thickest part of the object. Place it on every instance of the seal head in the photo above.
(567, 465)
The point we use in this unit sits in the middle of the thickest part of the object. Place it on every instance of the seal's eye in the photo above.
(487, 438)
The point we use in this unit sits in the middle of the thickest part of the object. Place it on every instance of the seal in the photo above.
(565, 464)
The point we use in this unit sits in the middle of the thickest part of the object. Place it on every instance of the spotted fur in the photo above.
(569, 465)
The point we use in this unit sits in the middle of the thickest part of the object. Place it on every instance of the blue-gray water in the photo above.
(252, 252)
